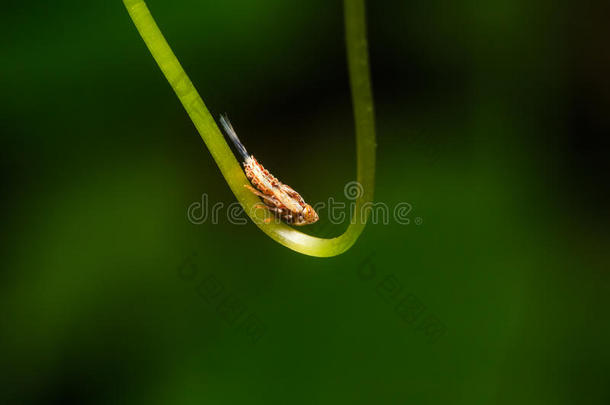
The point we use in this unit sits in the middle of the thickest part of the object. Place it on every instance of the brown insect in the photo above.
(278, 198)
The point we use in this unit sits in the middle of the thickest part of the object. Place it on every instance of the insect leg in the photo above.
(276, 210)
(261, 195)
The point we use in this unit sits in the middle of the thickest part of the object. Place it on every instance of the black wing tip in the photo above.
(224, 118)
(226, 124)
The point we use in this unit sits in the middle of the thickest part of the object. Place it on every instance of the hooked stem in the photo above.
(362, 100)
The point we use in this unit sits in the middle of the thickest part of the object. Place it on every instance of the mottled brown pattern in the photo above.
(279, 198)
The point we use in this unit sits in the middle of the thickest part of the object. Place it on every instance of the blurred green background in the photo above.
(493, 123)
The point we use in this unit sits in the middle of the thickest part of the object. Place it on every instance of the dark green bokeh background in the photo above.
(493, 122)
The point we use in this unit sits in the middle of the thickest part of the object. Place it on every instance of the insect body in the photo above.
(278, 198)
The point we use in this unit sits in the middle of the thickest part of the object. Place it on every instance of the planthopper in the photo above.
(280, 199)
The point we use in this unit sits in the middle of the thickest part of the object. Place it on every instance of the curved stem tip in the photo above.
(358, 62)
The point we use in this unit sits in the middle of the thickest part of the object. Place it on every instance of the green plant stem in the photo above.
(230, 168)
